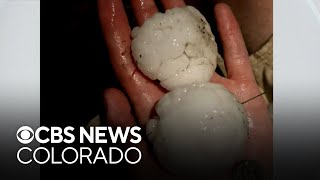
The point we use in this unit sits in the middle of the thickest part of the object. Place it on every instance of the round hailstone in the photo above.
(176, 47)
(201, 130)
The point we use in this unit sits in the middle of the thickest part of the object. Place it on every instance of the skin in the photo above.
(135, 106)
(255, 20)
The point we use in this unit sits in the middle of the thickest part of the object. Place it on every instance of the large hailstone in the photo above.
(201, 130)
(176, 47)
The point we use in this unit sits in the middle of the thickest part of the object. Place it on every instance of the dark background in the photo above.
(74, 72)
(74, 63)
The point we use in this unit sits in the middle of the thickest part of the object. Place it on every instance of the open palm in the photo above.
(143, 93)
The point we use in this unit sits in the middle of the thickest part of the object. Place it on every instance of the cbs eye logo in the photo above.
(25, 134)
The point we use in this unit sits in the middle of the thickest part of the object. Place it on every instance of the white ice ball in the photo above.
(176, 47)
(201, 130)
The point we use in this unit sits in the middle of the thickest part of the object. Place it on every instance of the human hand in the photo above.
(143, 93)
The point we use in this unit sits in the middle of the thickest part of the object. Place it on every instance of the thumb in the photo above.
(118, 109)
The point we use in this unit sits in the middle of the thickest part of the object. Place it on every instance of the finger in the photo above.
(118, 113)
(143, 10)
(235, 53)
(118, 110)
(116, 31)
(172, 3)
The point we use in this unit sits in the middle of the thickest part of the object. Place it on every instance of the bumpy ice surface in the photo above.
(201, 130)
(176, 47)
